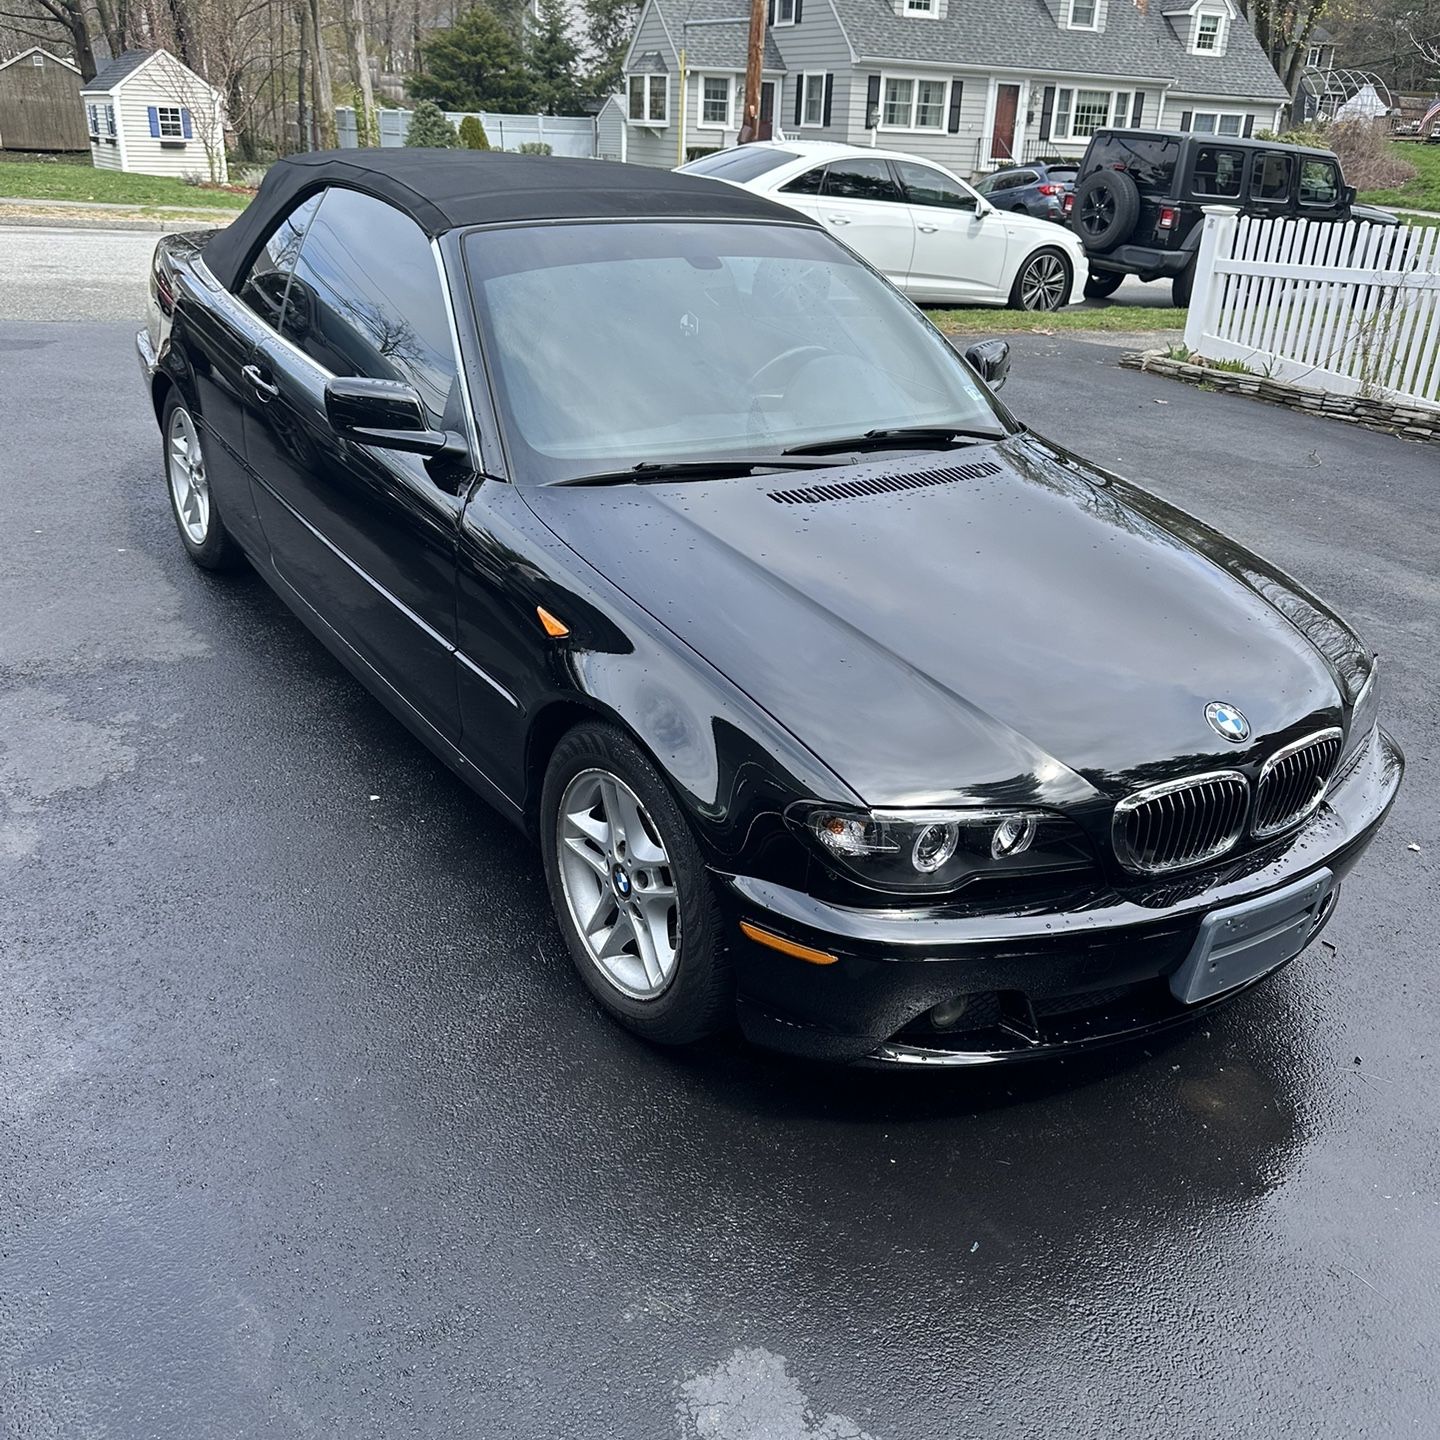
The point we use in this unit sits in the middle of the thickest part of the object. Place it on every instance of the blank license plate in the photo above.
(1243, 942)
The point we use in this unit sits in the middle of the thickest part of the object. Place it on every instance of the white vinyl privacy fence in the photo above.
(564, 134)
(1353, 309)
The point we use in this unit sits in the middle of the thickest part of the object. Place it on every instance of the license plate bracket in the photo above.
(1243, 942)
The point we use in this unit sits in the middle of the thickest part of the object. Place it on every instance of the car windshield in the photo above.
(612, 345)
(744, 163)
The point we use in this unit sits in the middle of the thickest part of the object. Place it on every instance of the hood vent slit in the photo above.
(884, 484)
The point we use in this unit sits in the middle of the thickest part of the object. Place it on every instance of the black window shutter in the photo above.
(798, 4)
(957, 94)
(770, 16)
(1138, 114)
(1249, 126)
(872, 99)
(1047, 112)
(1185, 118)
(799, 100)
(829, 95)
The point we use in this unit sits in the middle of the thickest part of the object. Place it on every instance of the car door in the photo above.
(960, 253)
(860, 203)
(365, 536)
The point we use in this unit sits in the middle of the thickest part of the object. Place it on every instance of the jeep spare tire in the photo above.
(1107, 205)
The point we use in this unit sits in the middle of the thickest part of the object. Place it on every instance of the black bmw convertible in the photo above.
(838, 701)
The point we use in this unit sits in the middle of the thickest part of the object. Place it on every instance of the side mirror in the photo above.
(1347, 195)
(991, 358)
(388, 414)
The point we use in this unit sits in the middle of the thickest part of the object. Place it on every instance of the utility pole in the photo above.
(754, 63)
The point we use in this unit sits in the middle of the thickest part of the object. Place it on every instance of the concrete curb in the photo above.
(1412, 419)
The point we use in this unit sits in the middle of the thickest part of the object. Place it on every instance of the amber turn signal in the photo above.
(555, 629)
(786, 947)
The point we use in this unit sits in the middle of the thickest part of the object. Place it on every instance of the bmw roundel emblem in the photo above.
(1226, 721)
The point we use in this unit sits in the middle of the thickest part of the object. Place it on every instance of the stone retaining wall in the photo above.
(1417, 421)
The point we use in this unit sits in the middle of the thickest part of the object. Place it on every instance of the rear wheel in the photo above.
(1183, 287)
(1103, 283)
(1043, 282)
(192, 502)
(630, 890)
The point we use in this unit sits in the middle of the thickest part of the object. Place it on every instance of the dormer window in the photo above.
(919, 7)
(1315, 56)
(1209, 31)
(1084, 14)
(784, 12)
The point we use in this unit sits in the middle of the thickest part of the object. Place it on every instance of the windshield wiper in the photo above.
(716, 468)
(898, 435)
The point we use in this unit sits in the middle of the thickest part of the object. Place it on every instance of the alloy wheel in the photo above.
(189, 485)
(1097, 213)
(1042, 287)
(618, 883)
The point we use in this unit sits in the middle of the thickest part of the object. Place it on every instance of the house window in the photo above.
(37, 59)
(1080, 113)
(1083, 13)
(1208, 122)
(784, 12)
(1207, 32)
(649, 100)
(919, 7)
(715, 91)
(913, 104)
(812, 99)
(1315, 56)
(171, 126)
(108, 116)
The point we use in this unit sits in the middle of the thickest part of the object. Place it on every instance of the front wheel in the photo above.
(630, 891)
(1042, 284)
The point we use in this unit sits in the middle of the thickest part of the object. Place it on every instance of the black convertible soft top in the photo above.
(446, 189)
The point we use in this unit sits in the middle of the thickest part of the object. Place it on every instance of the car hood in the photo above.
(1016, 626)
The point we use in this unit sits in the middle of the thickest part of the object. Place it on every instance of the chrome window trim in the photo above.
(1330, 732)
(1127, 856)
(457, 350)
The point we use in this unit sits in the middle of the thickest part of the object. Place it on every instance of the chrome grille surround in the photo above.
(1293, 782)
(1181, 822)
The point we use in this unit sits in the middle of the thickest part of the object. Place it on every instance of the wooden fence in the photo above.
(1351, 308)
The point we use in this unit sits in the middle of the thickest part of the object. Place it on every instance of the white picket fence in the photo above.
(564, 134)
(1353, 309)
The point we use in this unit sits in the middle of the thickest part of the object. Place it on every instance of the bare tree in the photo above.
(354, 17)
(1283, 28)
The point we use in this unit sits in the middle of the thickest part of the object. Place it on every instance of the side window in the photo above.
(1271, 180)
(860, 180)
(365, 299)
(1319, 182)
(807, 184)
(1218, 172)
(264, 287)
(924, 186)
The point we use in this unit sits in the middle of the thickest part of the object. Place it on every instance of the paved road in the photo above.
(307, 1131)
(68, 274)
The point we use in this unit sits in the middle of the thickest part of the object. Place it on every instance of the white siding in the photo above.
(610, 136)
(166, 82)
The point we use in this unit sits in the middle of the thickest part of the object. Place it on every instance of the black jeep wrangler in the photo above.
(1139, 197)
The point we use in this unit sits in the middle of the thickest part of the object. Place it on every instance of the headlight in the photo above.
(1364, 711)
(940, 849)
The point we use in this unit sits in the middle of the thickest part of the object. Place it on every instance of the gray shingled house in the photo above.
(970, 83)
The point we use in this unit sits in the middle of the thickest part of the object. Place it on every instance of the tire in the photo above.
(695, 996)
(1103, 283)
(192, 501)
(1042, 284)
(1107, 205)
(1183, 286)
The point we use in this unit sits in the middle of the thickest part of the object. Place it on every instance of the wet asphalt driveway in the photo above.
(306, 1130)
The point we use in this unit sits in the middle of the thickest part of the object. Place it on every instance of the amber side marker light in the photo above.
(786, 947)
(555, 629)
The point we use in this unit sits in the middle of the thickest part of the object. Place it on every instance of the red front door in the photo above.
(1002, 137)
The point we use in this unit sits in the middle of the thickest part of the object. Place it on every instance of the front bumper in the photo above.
(1036, 982)
(146, 357)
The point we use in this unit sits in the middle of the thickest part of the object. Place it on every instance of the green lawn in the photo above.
(42, 180)
(1421, 193)
(985, 321)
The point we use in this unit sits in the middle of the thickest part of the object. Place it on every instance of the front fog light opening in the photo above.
(934, 846)
(1013, 836)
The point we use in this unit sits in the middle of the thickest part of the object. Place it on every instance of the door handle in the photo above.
(837, 219)
(264, 388)
(928, 229)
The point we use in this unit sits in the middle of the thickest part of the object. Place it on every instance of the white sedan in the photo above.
(926, 230)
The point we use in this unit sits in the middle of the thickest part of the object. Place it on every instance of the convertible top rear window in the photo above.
(613, 345)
